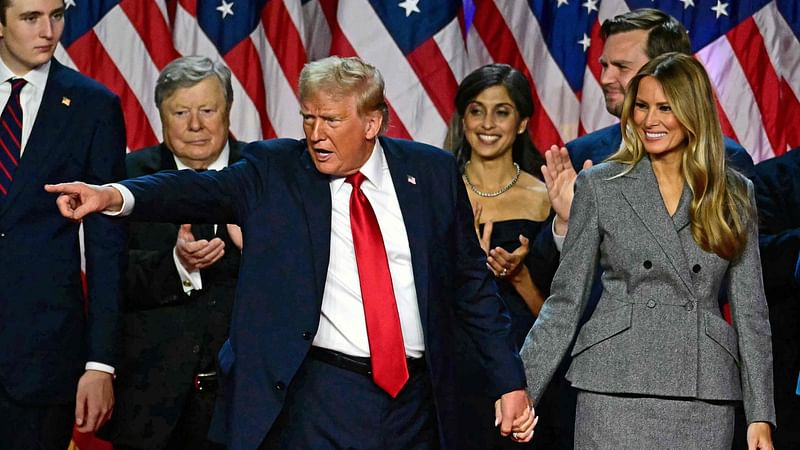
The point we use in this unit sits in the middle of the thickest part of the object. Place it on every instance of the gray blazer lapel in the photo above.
(315, 194)
(645, 199)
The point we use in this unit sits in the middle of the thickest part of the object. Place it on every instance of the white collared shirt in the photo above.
(192, 280)
(342, 325)
(30, 97)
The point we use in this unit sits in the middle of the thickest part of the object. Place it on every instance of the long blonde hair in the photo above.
(721, 210)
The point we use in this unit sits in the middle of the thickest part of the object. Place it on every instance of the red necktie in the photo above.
(386, 348)
(10, 136)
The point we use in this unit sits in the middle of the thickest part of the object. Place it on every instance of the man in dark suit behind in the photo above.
(181, 279)
(777, 187)
(630, 40)
(58, 358)
(302, 371)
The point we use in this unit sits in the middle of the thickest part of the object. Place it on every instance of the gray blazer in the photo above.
(657, 329)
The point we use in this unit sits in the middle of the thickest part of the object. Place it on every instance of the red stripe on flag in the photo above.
(91, 58)
(153, 30)
(748, 45)
(241, 59)
(595, 52)
(341, 46)
(190, 6)
(502, 46)
(435, 75)
(727, 128)
(284, 39)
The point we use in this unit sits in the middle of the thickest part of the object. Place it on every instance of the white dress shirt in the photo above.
(192, 280)
(30, 97)
(342, 325)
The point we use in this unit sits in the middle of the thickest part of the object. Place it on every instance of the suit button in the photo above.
(212, 302)
(651, 303)
(306, 335)
(196, 349)
(2, 235)
(696, 268)
(647, 264)
(280, 386)
(689, 306)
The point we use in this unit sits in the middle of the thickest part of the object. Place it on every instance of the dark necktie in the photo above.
(386, 348)
(10, 136)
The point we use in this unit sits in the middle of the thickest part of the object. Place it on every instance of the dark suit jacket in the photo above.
(46, 337)
(777, 184)
(168, 336)
(284, 206)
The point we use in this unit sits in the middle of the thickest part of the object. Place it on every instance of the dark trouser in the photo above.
(328, 407)
(34, 427)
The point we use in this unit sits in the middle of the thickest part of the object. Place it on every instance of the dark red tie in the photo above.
(386, 348)
(10, 136)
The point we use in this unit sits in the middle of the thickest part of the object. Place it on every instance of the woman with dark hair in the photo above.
(489, 137)
(672, 225)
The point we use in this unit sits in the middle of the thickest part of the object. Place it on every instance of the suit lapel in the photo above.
(645, 199)
(315, 194)
(415, 217)
(43, 147)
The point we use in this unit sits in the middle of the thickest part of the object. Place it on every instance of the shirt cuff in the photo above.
(189, 280)
(557, 238)
(127, 201)
(92, 365)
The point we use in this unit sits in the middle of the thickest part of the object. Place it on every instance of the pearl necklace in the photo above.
(491, 194)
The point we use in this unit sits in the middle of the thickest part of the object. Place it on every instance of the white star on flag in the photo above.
(562, 3)
(225, 8)
(721, 9)
(69, 3)
(687, 3)
(410, 6)
(590, 5)
(586, 42)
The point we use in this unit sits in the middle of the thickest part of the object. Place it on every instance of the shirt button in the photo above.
(647, 264)
(696, 268)
(196, 349)
(306, 335)
(689, 306)
(651, 303)
(280, 386)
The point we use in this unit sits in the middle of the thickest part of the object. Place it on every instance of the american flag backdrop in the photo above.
(751, 49)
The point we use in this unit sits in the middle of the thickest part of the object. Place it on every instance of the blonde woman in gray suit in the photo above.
(657, 366)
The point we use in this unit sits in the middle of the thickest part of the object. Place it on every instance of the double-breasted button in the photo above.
(196, 349)
(280, 386)
(306, 335)
(689, 306)
(647, 264)
(696, 268)
(651, 303)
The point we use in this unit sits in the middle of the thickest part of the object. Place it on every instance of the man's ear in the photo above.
(374, 121)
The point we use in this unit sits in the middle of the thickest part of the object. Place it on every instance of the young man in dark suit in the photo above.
(360, 255)
(181, 279)
(58, 354)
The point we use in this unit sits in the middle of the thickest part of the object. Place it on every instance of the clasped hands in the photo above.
(515, 415)
(198, 254)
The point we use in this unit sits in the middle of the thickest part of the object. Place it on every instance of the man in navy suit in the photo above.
(301, 368)
(58, 357)
(630, 40)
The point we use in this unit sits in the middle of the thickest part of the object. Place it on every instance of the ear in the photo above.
(523, 125)
(373, 121)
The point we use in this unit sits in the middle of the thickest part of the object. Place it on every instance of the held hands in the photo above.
(94, 401)
(759, 436)
(194, 254)
(515, 415)
(77, 200)
(559, 177)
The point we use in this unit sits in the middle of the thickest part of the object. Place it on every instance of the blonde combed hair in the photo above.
(721, 211)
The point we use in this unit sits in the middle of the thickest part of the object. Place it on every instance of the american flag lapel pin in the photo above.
(65, 101)
(411, 179)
